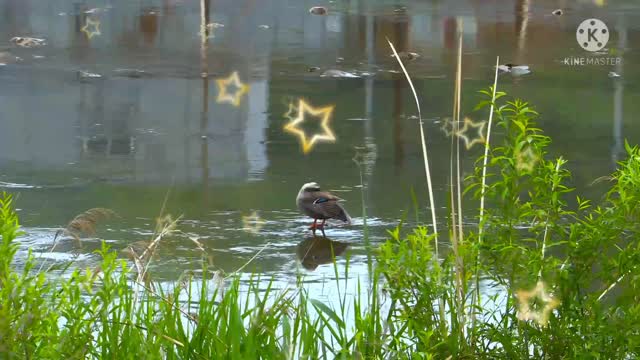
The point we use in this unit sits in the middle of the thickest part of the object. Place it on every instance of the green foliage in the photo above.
(532, 236)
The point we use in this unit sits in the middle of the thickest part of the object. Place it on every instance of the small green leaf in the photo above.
(319, 305)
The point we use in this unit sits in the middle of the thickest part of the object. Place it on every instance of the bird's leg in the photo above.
(314, 225)
(321, 226)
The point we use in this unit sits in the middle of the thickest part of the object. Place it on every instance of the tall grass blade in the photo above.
(459, 264)
(486, 151)
(457, 116)
(482, 191)
(424, 146)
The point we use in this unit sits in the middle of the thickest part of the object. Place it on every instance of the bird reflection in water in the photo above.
(318, 250)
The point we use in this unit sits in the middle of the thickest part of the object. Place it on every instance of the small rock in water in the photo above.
(558, 12)
(614, 75)
(339, 73)
(318, 10)
(28, 42)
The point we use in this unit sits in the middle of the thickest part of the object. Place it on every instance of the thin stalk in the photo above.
(426, 168)
(458, 102)
(484, 184)
(250, 260)
(455, 128)
(612, 285)
(486, 153)
(424, 148)
(546, 225)
(365, 230)
(457, 240)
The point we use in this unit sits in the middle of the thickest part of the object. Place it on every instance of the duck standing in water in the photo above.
(320, 205)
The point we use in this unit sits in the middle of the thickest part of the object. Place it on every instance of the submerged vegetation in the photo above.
(558, 277)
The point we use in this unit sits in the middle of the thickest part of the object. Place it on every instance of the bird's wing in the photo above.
(327, 204)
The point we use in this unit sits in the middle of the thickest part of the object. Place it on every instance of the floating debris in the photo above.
(313, 69)
(339, 74)
(95, 11)
(318, 10)
(407, 55)
(263, 26)
(10, 185)
(28, 42)
(400, 10)
(614, 75)
(214, 25)
(557, 12)
(88, 75)
(132, 73)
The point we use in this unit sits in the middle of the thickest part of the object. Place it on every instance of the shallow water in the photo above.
(125, 117)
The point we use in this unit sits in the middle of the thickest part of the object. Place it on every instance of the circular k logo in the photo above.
(592, 34)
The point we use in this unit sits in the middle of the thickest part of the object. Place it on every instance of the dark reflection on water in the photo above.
(117, 119)
(318, 250)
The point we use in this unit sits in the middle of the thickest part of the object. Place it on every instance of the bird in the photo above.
(515, 70)
(320, 205)
(318, 10)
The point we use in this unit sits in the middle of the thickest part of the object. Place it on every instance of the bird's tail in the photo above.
(344, 216)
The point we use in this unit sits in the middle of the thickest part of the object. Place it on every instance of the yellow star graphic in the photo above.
(290, 112)
(94, 25)
(224, 96)
(468, 123)
(252, 223)
(447, 126)
(526, 159)
(544, 306)
(324, 112)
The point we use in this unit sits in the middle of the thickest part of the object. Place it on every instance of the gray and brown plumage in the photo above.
(320, 205)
